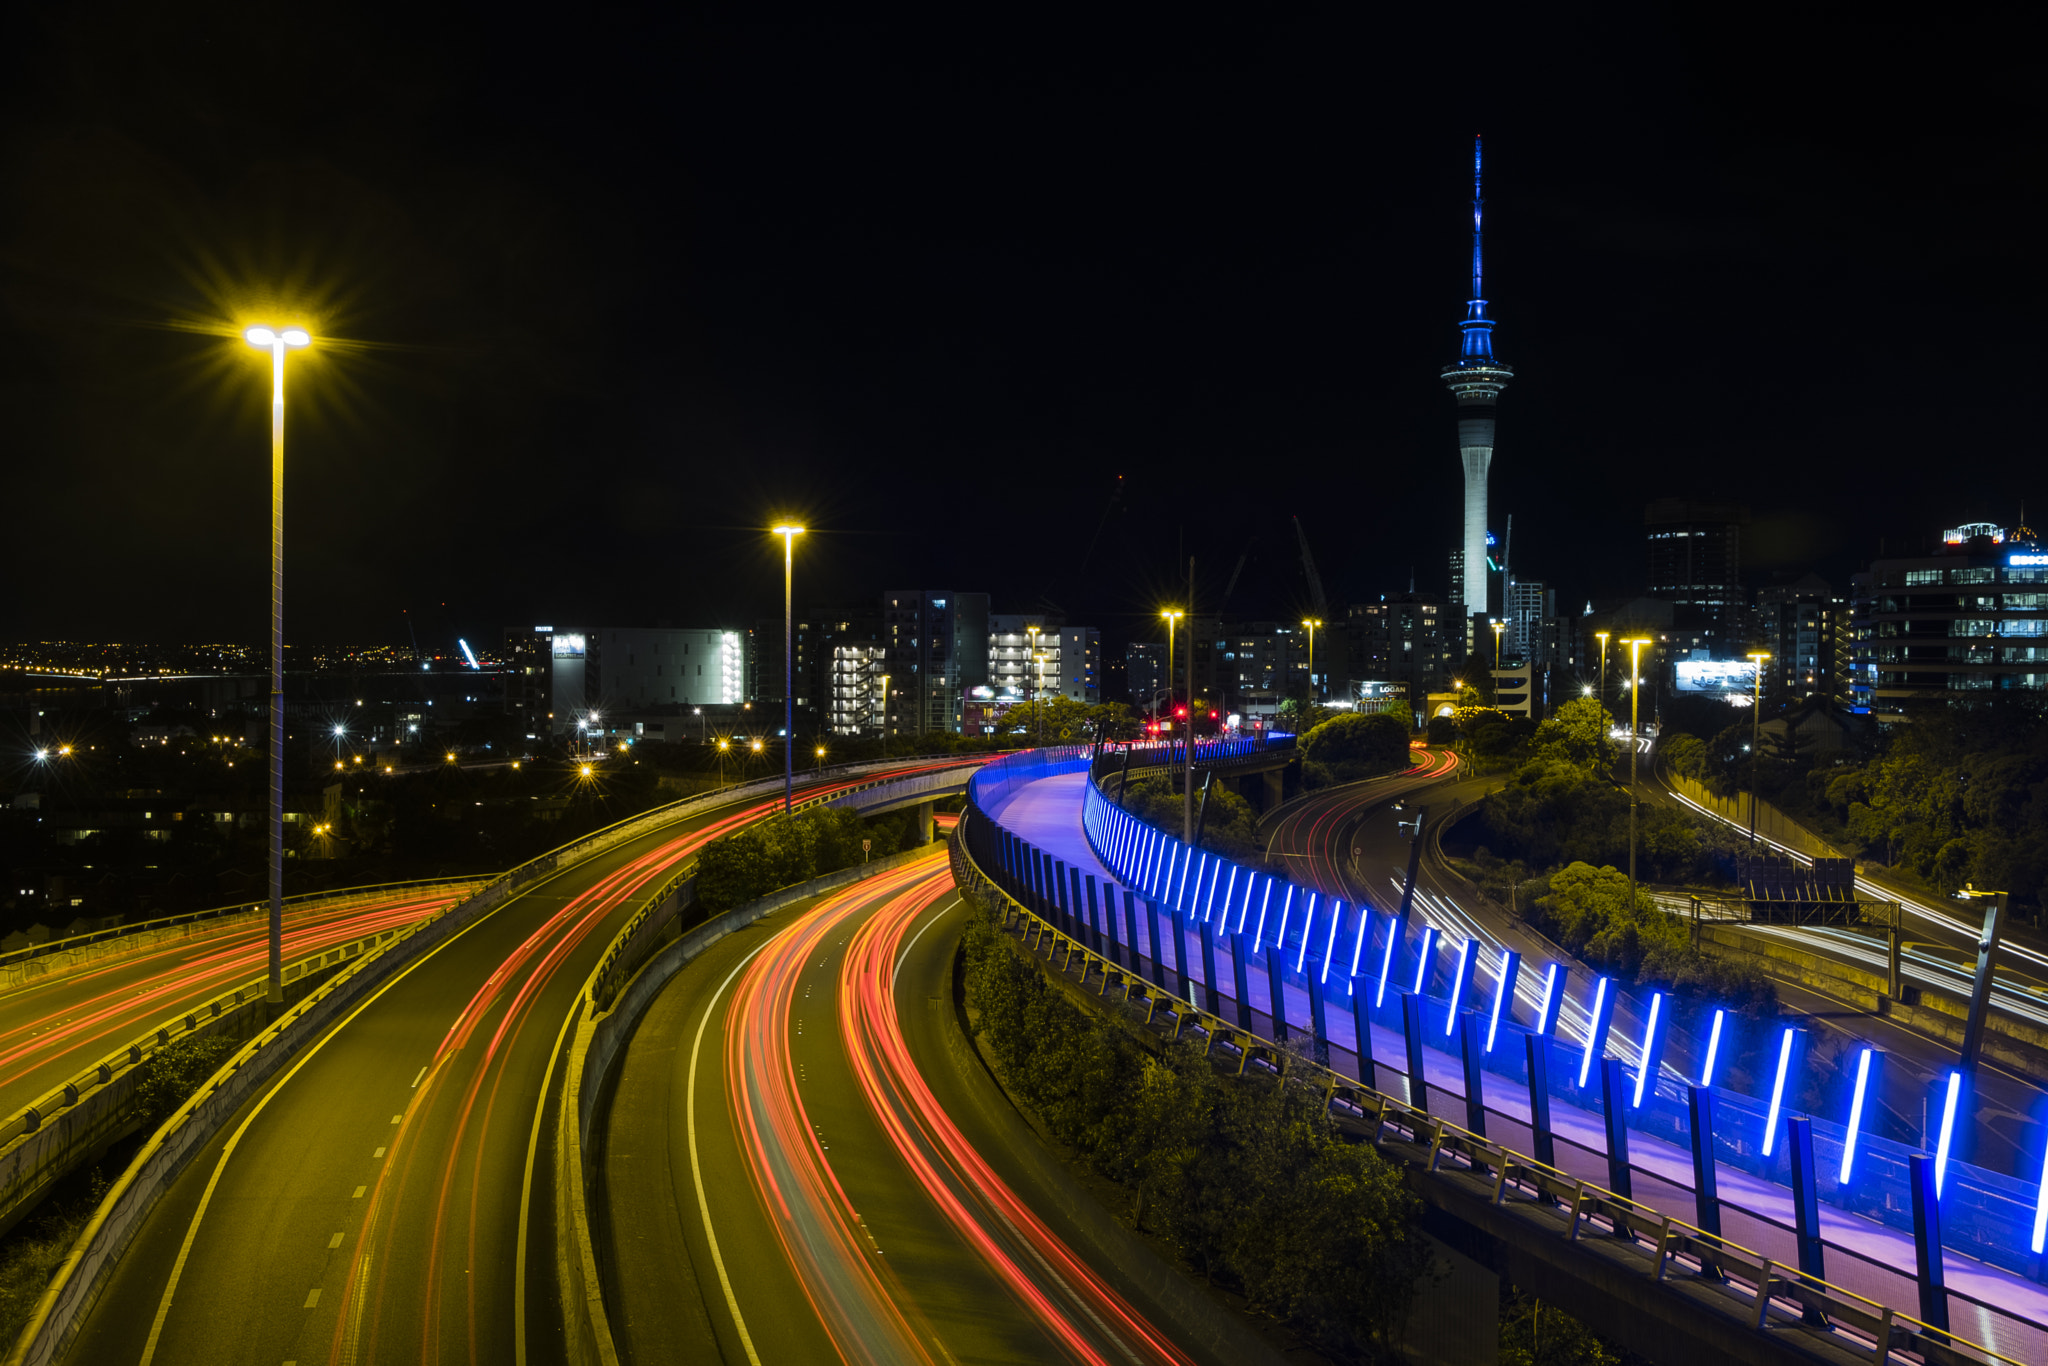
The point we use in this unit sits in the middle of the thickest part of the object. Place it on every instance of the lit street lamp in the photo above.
(1756, 711)
(1635, 693)
(1313, 693)
(788, 535)
(1499, 627)
(277, 343)
(1602, 635)
(723, 746)
(1171, 618)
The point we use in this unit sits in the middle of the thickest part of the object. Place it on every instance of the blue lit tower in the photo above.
(1475, 381)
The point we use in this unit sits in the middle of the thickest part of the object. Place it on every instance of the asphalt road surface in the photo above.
(52, 1028)
(369, 1205)
(804, 1161)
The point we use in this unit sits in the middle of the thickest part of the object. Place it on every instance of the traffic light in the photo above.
(1181, 713)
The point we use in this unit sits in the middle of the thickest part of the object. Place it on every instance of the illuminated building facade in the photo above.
(1805, 626)
(1475, 381)
(937, 643)
(1693, 560)
(1968, 618)
(1402, 638)
(559, 675)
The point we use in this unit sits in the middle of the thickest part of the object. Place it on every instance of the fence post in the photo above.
(1209, 967)
(1412, 1024)
(1318, 1023)
(1130, 924)
(1538, 1048)
(1361, 1024)
(1180, 955)
(1276, 990)
(1095, 923)
(1241, 980)
(1805, 1208)
(1614, 1105)
(1706, 1185)
(1472, 1044)
(1927, 1252)
(1152, 930)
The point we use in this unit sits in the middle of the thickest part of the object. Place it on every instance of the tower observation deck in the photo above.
(1475, 381)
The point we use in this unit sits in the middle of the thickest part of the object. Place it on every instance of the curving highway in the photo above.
(51, 1028)
(375, 1202)
(805, 1162)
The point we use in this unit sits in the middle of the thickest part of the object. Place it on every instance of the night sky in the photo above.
(607, 296)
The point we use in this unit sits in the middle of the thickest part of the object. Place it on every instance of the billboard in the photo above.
(1715, 675)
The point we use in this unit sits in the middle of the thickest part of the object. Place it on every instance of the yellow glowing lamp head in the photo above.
(789, 531)
(586, 770)
(266, 337)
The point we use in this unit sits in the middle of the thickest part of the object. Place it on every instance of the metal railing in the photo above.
(1534, 1186)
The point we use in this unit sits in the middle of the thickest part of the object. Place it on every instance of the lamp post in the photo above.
(1635, 692)
(723, 746)
(1756, 711)
(1602, 636)
(1499, 627)
(788, 535)
(1037, 693)
(1171, 618)
(821, 761)
(1313, 694)
(277, 343)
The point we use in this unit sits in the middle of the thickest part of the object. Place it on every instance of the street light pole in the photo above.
(1187, 798)
(788, 535)
(1635, 692)
(1312, 693)
(1603, 667)
(1498, 628)
(1756, 711)
(276, 343)
(1171, 617)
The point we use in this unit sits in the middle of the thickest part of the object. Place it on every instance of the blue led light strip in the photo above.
(1593, 1031)
(1648, 1061)
(1259, 935)
(1855, 1115)
(1948, 1126)
(1286, 910)
(1229, 895)
(1330, 942)
(2041, 1207)
(1546, 1018)
(1387, 963)
(1713, 1049)
(1504, 987)
(1358, 945)
(1778, 1099)
(1308, 924)
(1422, 964)
(1458, 986)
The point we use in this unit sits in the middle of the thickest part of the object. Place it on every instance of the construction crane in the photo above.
(1315, 580)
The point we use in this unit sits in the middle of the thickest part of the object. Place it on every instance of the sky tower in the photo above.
(1475, 381)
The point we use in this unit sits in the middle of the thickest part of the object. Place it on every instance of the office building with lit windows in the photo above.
(1968, 618)
(937, 651)
(1805, 627)
(561, 675)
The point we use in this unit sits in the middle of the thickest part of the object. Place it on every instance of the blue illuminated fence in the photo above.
(1284, 960)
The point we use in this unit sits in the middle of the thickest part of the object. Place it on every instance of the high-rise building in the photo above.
(563, 675)
(1529, 604)
(1145, 672)
(1475, 382)
(1802, 624)
(1967, 618)
(1694, 562)
(1401, 639)
(1030, 655)
(937, 641)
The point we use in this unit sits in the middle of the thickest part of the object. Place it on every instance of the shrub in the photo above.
(174, 1072)
(1355, 747)
(785, 850)
(1252, 1184)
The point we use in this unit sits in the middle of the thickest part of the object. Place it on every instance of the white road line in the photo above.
(335, 1241)
(312, 1298)
(359, 1193)
(526, 1193)
(416, 1080)
(697, 1169)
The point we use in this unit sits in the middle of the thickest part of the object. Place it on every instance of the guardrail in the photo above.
(1517, 1180)
(35, 963)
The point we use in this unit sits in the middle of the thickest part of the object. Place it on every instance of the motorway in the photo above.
(52, 1028)
(804, 1161)
(371, 1204)
(1320, 834)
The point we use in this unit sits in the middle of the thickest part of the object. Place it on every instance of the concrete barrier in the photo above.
(596, 1039)
(1771, 823)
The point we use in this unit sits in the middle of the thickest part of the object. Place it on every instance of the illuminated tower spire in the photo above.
(1475, 382)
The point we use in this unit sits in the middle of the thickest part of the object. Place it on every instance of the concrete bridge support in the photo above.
(921, 822)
